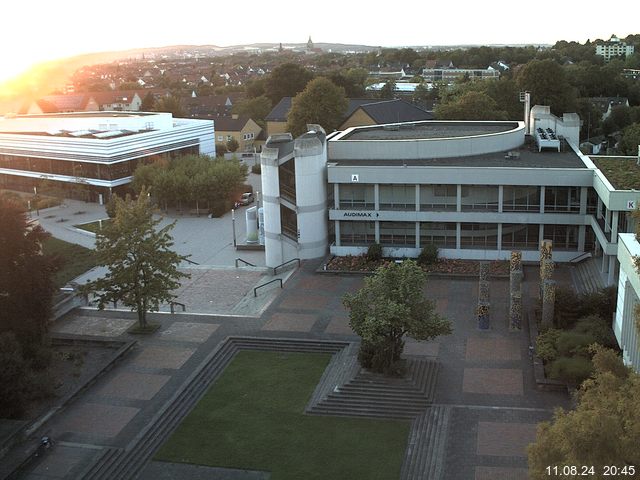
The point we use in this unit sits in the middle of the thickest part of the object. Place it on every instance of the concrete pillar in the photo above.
(337, 231)
(599, 208)
(483, 308)
(540, 233)
(500, 200)
(614, 226)
(499, 236)
(582, 235)
(515, 291)
(377, 231)
(542, 199)
(611, 277)
(376, 196)
(548, 302)
(584, 191)
(458, 233)
(418, 235)
(605, 262)
(607, 221)
(484, 271)
(458, 198)
(336, 196)
(417, 198)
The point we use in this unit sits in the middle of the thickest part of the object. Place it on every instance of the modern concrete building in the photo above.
(98, 149)
(624, 325)
(614, 48)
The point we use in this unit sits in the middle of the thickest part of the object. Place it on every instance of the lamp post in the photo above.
(233, 225)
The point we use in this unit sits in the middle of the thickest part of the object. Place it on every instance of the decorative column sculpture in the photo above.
(483, 297)
(548, 302)
(515, 290)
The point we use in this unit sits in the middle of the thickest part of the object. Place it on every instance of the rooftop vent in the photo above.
(512, 155)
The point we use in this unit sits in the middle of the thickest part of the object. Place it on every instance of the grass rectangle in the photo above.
(93, 227)
(253, 418)
(76, 259)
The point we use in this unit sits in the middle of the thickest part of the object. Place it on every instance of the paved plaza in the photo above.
(486, 378)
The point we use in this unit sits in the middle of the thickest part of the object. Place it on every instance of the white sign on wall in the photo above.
(355, 177)
(631, 204)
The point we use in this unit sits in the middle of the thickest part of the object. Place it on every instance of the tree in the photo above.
(548, 84)
(604, 428)
(171, 105)
(148, 103)
(232, 145)
(388, 91)
(471, 106)
(630, 141)
(254, 108)
(26, 278)
(322, 103)
(143, 270)
(389, 306)
(286, 80)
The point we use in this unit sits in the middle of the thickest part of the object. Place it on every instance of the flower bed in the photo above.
(445, 266)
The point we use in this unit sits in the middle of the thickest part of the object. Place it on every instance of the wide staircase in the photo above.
(587, 277)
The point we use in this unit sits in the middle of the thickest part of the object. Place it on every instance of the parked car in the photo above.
(246, 199)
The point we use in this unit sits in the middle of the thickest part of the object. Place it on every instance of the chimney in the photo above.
(234, 116)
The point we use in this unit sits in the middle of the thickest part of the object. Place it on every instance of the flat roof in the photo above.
(528, 158)
(88, 115)
(622, 172)
(428, 130)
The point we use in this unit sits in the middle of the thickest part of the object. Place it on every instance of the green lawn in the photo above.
(252, 418)
(76, 259)
(623, 173)
(93, 227)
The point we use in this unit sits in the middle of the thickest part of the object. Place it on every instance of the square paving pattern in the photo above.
(426, 349)
(497, 381)
(505, 439)
(501, 473)
(498, 348)
(136, 386)
(305, 302)
(95, 326)
(60, 464)
(290, 322)
(163, 357)
(339, 325)
(189, 331)
(97, 419)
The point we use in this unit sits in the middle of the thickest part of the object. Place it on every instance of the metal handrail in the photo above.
(173, 304)
(243, 261)
(580, 257)
(255, 290)
(285, 263)
(191, 261)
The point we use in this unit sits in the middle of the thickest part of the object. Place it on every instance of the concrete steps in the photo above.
(425, 454)
(587, 277)
(128, 464)
(373, 395)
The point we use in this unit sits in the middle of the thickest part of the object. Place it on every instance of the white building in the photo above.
(614, 48)
(98, 149)
(624, 325)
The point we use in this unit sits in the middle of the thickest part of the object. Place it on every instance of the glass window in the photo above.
(564, 237)
(562, 199)
(398, 234)
(480, 197)
(479, 235)
(438, 197)
(356, 197)
(440, 234)
(520, 236)
(520, 198)
(357, 233)
(397, 197)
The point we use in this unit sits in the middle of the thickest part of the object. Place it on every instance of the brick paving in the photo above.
(485, 377)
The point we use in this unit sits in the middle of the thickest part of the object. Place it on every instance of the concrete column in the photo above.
(417, 234)
(605, 262)
(483, 297)
(499, 236)
(459, 198)
(611, 277)
(500, 201)
(598, 214)
(458, 233)
(540, 234)
(417, 198)
(337, 230)
(336, 196)
(548, 302)
(582, 234)
(377, 232)
(515, 290)
(583, 200)
(376, 196)
(607, 221)
(542, 201)
(614, 226)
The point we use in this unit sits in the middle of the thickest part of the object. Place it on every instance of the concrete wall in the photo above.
(98, 121)
(624, 325)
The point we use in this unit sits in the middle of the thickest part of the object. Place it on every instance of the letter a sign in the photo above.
(355, 177)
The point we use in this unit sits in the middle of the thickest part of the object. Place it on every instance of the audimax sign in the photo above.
(361, 214)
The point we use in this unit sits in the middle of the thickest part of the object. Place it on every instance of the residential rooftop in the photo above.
(428, 130)
(622, 172)
(87, 115)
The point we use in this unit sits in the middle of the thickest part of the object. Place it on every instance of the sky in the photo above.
(32, 31)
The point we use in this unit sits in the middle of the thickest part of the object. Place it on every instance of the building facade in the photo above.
(624, 325)
(99, 150)
(614, 48)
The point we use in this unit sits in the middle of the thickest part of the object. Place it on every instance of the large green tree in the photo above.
(322, 103)
(630, 141)
(471, 105)
(389, 306)
(26, 278)
(255, 108)
(548, 84)
(603, 429)
(170, 104)
(286, 80)
(142, 267)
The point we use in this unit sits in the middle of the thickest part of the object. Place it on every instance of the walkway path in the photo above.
(485, 383)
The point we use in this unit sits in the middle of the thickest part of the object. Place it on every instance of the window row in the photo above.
(472, 198)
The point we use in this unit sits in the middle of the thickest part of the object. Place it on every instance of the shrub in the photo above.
(374, 252)
(598, 328)
(574, 343)
(375, 358)
(572, 370)
(220, 207)
(428, 255)
(546, 344)
(567, 308)
(256, 169)
(221, 149)
(601, 303)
